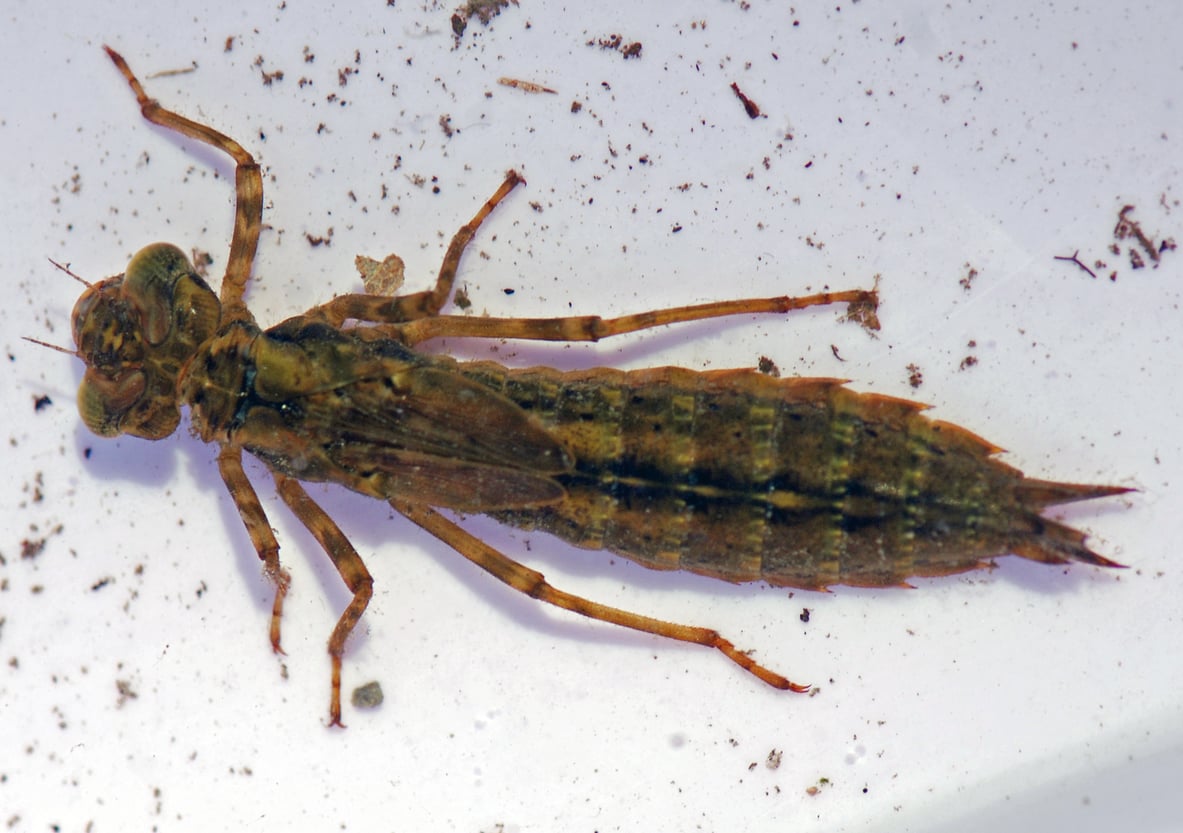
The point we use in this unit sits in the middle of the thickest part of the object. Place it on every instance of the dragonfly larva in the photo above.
(732, 474)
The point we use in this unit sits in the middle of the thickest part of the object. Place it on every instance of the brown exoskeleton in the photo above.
(731, 474)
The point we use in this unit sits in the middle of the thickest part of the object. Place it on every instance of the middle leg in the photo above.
(416, 305)
(348, 563)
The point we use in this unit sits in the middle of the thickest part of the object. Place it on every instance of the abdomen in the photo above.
(797, 482)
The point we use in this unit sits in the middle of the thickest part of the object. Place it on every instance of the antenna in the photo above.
(66, 269)
(73, 353)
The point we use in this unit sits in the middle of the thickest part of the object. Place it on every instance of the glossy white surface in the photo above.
(927, 140)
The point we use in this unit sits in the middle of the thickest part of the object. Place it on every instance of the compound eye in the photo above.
(149, 284)
(121, 403)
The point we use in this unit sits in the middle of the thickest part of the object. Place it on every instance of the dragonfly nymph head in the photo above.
(135, 332)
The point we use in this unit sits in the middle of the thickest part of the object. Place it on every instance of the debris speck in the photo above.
(1074, 258)
(368, 696)
(616, 43)
(126, 692)
(750, 107)
(915, 377)
(380, 278)
(1128, 227)
(482, 10)
(525, 86)
(320, 240)
(967, 281)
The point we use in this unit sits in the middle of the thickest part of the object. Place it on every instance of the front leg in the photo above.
(258, 528)
(248, 211)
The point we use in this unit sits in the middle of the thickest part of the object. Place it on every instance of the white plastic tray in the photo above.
(915, 143)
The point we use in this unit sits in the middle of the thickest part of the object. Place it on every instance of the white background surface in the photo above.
(927, 139)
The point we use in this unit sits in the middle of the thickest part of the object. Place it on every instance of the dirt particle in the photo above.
(615, 43)
(915, 376)
(750, 107)
(968, 280)
(482, 10)
(368, 696)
